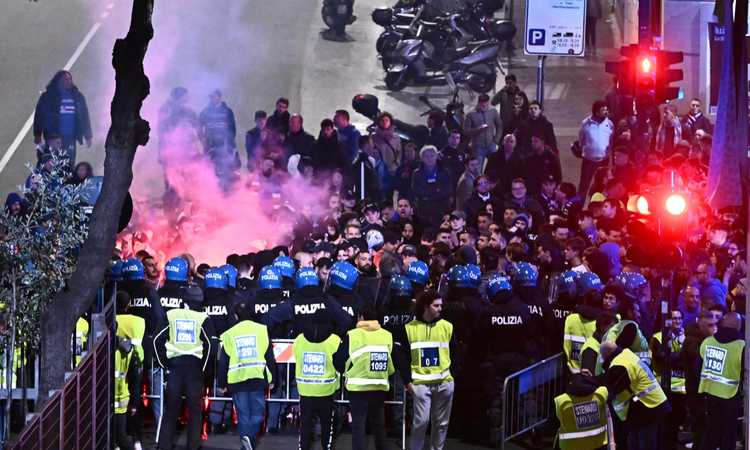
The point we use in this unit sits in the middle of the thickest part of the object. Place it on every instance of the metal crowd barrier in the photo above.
(528, 396)
(282, 349)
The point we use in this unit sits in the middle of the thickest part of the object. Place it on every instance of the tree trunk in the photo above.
(127, 132)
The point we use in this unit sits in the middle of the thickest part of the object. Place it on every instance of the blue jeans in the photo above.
(250, 406)
(481, 153)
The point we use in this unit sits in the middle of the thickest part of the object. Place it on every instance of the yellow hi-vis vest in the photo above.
(4, 371)
(576, 330)
(430, 351)
(132, 328)
(80, 339)
(722, 367)
(370, 361)
(246, 344)
(185, 333)
(677, 378)
(643, 384)
(593, 344)
(314, 371)
(640, 344)
(583, 420)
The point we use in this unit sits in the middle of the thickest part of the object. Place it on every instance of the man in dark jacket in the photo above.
(541, 163)
(61, 110)
(481, 197)
(253, 138)
(298, 141)
(431, 187)
(280, 117)
(537, 124)
(217, 125)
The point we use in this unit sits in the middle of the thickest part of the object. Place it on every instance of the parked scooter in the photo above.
(453, 111)
(337, 14)
(367, 105)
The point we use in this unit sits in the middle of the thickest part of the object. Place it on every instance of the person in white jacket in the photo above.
(595, 138)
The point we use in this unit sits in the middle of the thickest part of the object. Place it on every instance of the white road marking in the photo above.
(27, 126)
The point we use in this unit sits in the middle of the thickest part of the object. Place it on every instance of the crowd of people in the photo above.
(449, 264)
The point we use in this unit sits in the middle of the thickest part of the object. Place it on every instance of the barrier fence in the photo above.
(282, 349)
(528, 396)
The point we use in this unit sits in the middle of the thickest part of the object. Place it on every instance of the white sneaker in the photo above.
(137, 446)
(246, 444)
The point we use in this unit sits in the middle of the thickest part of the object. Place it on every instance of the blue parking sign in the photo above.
(536, 36)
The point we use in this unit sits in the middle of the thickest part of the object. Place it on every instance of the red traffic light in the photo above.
(675, 204)
(646, 64)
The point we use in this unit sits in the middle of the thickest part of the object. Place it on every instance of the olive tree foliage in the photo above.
(38, 249)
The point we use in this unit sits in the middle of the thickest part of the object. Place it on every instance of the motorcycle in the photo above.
(336, 12)
(416, 59)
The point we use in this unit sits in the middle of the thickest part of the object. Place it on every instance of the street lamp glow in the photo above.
(675, 204)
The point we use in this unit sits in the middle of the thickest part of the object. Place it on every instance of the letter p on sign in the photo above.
(536, 36)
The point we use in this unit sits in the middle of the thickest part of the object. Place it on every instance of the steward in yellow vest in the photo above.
(184, 348)
(127, 360)
(591, 359)
(317, 379)
(720, 379)
(582, 412)
(578, 326)
(636, 396)
(246, 368)
(367, 359)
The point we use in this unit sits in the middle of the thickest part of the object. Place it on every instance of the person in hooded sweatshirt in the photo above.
(317, 377)
(721, 359)
(217, 306)
(582, 413)
(144, 303)
(524, 279)
(397, 311)
(582, 323)
(501, 343)
(342, 280)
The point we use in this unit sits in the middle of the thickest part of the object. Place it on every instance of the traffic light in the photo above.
(668, 205)
(645, 74)
(666, 75)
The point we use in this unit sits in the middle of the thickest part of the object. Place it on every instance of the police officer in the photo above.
(171, 294)
(419, 275)
(502, 342)
(246, 368)
(639, 400)
(430, 342)
(721, 373)
(342, 280)
(638, 291)
(582, 323)
(563, 304)
(524, 279)
(582, 413)
(366, 359)
(307, 300)
(144, 303)
(396, 313)
(317, 378)
(127, 362)
(231, 273)
(285, 264)
(217, 305)
(677, 391)
(184, 348)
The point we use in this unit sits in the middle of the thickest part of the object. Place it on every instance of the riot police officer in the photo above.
(419, 275)
(217, 307)
(524, 279)
(171, 295)
(269, 295)
(285, 264)
(343, 278)
(563, 304)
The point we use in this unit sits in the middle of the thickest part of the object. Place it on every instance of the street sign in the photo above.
(555, 27)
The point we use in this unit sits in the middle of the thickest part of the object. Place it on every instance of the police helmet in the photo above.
(588, 281)
(418, 272)
(400, 286)
(475, 275)
(270, 278)
(115, 270)
(286, 265)
(231, 272)
(306, 276)
(216, 278)
(343, 275)
(458, 276)
(498, 284)
(567, 283)
(524, 274)
(632, 282)
(132, 269)
(176, 269)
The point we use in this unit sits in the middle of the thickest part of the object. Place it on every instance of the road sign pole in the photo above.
(540, 79)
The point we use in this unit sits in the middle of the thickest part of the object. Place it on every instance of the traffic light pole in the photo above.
(540, 79)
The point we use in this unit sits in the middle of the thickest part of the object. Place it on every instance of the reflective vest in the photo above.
(677, 377)
(80, 339)
(583, 420)
(593, 344)
(643, 384)
(314, 371)
(640, 344)
(132, 328)
(4, 367)
(721, 368)
(430, 351)
(184, 333)
(576, 330)
(370, 362)
(246, 344)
